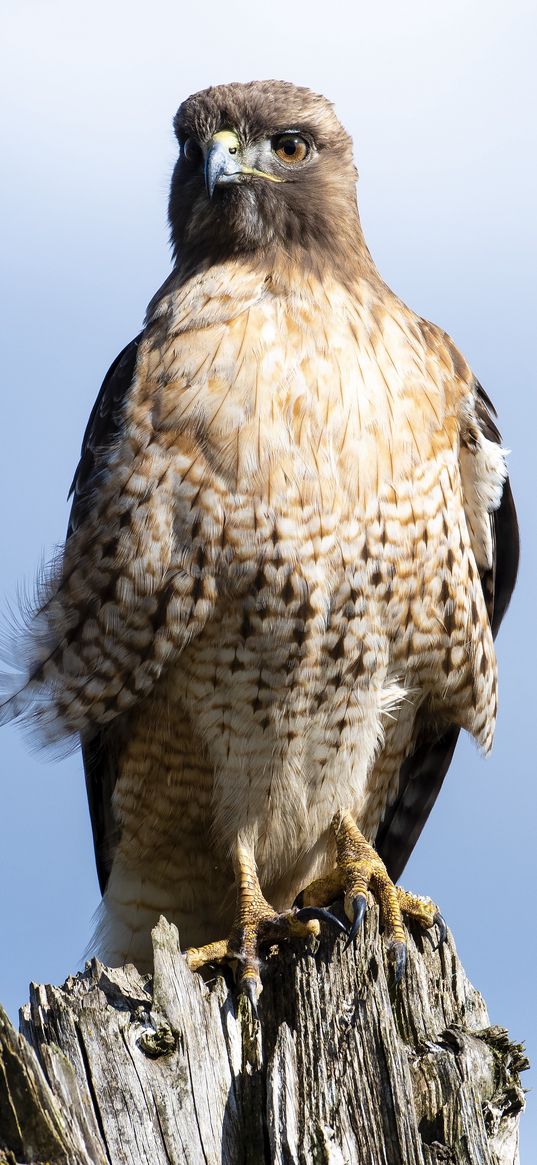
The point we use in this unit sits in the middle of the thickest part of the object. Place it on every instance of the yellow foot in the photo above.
(359, 869)
(256, 925)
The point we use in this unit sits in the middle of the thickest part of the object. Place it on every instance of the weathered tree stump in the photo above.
(342, 1067)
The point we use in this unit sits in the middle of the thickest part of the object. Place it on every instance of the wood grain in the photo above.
(115, 1068)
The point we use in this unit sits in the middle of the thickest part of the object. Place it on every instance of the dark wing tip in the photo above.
(420, 780)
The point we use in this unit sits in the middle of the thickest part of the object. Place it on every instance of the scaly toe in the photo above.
(422, 909)
(198, 957)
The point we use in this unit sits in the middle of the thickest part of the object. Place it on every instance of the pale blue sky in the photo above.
(440, 100)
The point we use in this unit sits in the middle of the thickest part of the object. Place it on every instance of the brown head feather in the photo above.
(311, 218)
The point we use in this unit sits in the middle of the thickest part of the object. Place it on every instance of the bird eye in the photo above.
(192, 150)
(290, 148)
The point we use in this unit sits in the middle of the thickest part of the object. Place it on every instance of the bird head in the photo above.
(262, 165)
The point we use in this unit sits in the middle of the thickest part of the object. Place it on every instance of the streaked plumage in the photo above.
(292, 538)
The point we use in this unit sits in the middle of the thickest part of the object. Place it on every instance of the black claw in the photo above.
(359, 907)
(308, 913)
(248, 987)
(442, 927)
(398, 953)
(299, 900)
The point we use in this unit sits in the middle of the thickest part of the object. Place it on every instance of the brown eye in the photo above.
(290, 148)
(191, 150)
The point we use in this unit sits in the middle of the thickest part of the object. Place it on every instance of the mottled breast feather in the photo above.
(302, 479)
(171, 314)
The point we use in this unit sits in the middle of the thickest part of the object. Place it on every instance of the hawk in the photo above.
(292, 541)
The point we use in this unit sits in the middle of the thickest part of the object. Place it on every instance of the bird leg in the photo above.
(359, 869)
(255, 925)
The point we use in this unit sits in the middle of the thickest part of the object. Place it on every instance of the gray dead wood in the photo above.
(116, 1069)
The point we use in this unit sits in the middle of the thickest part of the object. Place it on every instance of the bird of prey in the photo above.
(291, 543)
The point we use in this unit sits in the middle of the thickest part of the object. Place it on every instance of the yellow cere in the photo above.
(227, 138)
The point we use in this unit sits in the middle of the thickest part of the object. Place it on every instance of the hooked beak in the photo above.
(223, 164)
(222, 160)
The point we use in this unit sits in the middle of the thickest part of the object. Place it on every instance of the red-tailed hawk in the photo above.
(291, 543)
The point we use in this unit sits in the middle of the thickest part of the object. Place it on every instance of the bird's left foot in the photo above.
(256, 925)
(359, 869)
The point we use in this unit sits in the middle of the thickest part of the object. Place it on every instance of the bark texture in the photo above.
(117, 1069)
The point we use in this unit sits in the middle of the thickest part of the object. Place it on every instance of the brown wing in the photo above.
(98, 754)
(422, 773)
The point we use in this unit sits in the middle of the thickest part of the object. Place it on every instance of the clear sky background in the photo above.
(440, 100)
